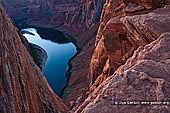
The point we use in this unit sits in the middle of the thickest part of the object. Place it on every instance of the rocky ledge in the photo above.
(124, 26)
(143, 78)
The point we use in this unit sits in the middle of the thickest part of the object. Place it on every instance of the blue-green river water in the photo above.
(57, 61)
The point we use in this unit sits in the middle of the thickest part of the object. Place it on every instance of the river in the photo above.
(59, 52)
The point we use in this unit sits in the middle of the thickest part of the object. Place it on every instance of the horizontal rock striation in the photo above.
(69, 15)
(17, 9)
(23, 88)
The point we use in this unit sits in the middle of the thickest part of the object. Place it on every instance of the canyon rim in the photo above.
(125, 56)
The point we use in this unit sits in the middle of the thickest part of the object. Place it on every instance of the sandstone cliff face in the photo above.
(23, 88)
(144, 77)
(72, 14)
(120, 33)
(80, 18)
(125, 25)
(17, 9)
(21, 9)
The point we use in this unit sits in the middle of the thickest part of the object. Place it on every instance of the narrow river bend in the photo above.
(58, 53)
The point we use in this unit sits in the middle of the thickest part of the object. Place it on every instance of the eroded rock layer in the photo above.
(143, 78)
(80, 18)
(23, 88)
(69, 15)
(117, 72)
(124, 26)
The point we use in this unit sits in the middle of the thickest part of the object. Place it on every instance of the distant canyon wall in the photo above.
(56, 12)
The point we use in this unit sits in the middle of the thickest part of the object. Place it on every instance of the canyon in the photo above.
(77, 18)
(57, 60)
(23, 87)
(125, 56)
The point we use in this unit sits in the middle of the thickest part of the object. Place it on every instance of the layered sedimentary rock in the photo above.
(21, 9)
(79, 18)
(69, 15)
(118, 36)
(17, 9)
(23, 88)
(143, 78)
(124, 27)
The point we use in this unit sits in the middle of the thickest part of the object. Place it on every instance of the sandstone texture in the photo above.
(69, 15)
(23, 88)
(129, 61)
(80, 18)
(124, 26)
(144, 77)
(78, 83)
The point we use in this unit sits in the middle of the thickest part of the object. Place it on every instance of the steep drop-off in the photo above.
(23, 88)
(143, 78)
(131, 57)
(80, 18)
(120, 33)
(124, 27)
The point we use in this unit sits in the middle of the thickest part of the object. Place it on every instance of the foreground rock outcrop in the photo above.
(23, 88)
(143, 78)
(124, 26)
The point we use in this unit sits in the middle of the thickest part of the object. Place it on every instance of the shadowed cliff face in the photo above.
(21, 9)
(23, 88)
(17, 9)
(73, 16)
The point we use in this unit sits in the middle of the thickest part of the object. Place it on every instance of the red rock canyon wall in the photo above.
(23, 88)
